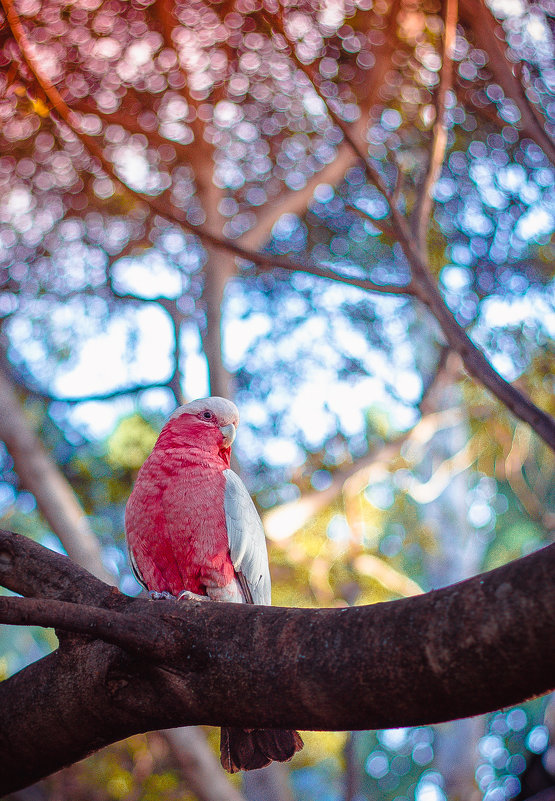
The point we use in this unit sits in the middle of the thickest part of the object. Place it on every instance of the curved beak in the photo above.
(228, 433)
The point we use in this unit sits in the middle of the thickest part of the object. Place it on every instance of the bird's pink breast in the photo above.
(175, 523)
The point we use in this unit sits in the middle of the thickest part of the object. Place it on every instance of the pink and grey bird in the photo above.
(192, 529)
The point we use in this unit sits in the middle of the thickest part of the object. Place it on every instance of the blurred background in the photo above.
(380, 468)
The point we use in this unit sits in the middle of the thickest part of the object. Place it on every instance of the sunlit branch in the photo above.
(526, 494)
(284, 520)
(384, 573)
(427, 491)
(439, 138)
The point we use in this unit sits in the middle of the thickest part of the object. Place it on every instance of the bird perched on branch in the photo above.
(193, 531)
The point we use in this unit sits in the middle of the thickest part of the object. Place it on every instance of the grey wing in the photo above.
(135, 569)
(247, 543)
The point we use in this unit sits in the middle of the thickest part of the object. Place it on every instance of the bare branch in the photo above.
(439, 139)
(100, 396)
(296, 201)
(329, 668)
(474, 360)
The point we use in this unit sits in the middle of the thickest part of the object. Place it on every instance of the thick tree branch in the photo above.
(464, 650)
(24, 569)
(29, 569)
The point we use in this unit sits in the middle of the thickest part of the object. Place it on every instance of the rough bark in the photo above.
(463, 650)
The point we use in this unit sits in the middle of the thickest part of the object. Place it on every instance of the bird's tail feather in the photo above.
(248, 749)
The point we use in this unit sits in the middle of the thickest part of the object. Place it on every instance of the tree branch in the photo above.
(205, 776)
(29, 569)
(100, 396)
(161, 204)
(464, 650)
(439, 139)
(485, 27)
(295, 201)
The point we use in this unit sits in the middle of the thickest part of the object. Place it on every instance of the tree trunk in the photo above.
(40, 475)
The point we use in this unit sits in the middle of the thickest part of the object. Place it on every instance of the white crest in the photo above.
(224, 410)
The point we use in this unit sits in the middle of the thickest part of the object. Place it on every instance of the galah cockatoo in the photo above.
(193, 530)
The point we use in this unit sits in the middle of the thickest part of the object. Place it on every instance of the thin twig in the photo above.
(439, 139)
(99, 396)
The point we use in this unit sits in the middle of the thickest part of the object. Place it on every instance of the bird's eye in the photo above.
(207, 415)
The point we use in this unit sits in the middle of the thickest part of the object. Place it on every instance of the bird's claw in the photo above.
(161, 596)
(187, 595)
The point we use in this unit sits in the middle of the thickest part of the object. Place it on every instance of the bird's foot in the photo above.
(161, 596)
(186, 595)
